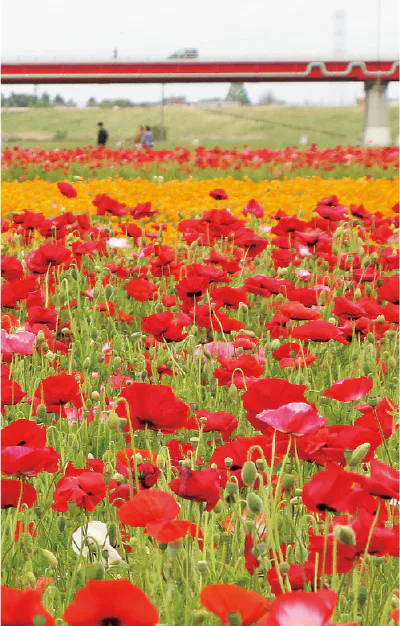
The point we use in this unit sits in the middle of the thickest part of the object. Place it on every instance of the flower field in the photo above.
(201, 163)
(199, 397)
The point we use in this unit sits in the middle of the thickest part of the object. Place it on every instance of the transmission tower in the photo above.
(339, 35)
(339, 40)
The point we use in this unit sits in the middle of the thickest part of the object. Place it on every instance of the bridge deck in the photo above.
(192, 71)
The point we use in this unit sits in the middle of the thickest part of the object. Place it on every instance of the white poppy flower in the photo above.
(95, 532)
(117, 242)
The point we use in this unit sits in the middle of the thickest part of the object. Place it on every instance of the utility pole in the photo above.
(339, 39)
(162, 113)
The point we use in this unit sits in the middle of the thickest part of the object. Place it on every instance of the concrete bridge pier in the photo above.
(376, 116)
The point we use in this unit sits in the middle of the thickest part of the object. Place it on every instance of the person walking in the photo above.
(102, 135)
(147, 139)
(139, 137)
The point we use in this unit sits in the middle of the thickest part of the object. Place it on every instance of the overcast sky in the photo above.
(295, 29)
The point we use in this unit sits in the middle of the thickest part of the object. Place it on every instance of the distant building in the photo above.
(175, 101)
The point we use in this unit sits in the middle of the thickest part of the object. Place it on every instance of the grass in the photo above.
(272, 126)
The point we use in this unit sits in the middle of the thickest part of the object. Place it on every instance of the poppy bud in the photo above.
(108, 291)
(198, 617)
(357, 294)
(219, 507)
(362, 597)
(41, 411)
(234, 618)
(346, 535)
(202, 566)
(243, 307)
(173, 549)
(95, 572)
(284, 567)
(232, 488)
(254, 503)
(261, 465)
(332, 320)
(395, 602)
(161, 462)
(378, 560)
(113, 421)
(300, 552)
(288, 481)
(261, 549)
(45, 346)
(112, 533)
(358, 454)
(38, 512)
(249, 473)
(61, 523)
(50, 558)
(86, 363)
(39, 620)
(275, 344)
(228, 462)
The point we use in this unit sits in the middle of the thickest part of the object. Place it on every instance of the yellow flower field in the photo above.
(179, 199)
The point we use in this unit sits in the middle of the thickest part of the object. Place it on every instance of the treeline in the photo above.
(31, 100)
(118, 102)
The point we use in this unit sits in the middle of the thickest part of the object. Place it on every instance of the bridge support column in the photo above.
(376, 116)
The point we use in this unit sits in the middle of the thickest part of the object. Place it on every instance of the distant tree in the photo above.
(238, 93)
(267, 98)
(44, 100)
(92, 102)
(70, 103)
(59, 100)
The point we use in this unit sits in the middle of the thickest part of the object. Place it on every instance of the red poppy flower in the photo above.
(154, 406)
(43, 315)
(383, 481)
(11, 392)
(302, 607)
(379, 418)
(201, 486)
(334, 553)
(132, 230)
(335, 490)
(249, 241)
(168, 532)
(20, 607)
(105, 204)
(11, 268)
(297, 311)
(142, 210)
(163, 326)
(318, 331)
(116, 602)
(293, 355)
(253, 207)
(224, 600)
(238, 371)
(14, 491)
(56, 391)
(16, 290)
(224, 423)
(251, 562)
(230, 297)
(147, 507)
(47, 255)
(23, 432)
(349, 389)
(67, 190)
(24, 461)
(191, 288)
(86, 490)
(270, 393)
(218, 194)
(141, 289)
(389, 290)
(297, 575)
(296, 418)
